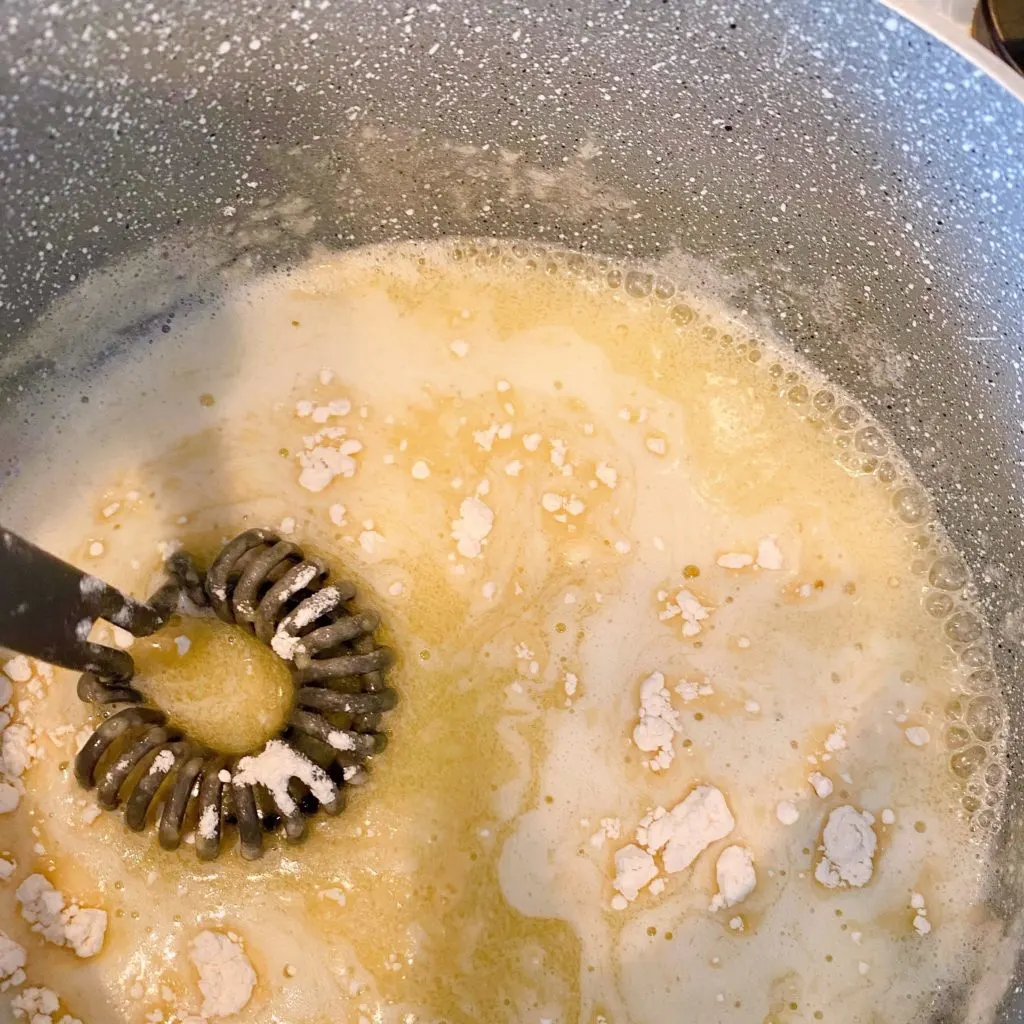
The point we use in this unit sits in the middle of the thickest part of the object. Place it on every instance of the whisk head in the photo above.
(137, 758)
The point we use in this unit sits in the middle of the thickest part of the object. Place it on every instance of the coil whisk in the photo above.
(138, 759)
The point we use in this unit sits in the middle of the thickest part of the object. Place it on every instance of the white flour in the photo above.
(341, 740)
(735, 560)
(917, 735)
(836, 740)
(676, 837)
(634, 868)
(12, 960)
(736, 877)
(608, 475)
(821, 784)
(40, 1006)
(209, 820)
(692, 612)
(19, 748)
(323, 463)
(659, 723)
(689, 828)
(769, 556)
(163, 762)
(921, 923)
(285, 641)
(472, 527)
(848, 844)
(16, 749)
(226, 977)
(275, 766)
(43, 907)
(18, 668)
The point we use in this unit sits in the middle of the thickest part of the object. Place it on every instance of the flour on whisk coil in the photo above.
(267, 586)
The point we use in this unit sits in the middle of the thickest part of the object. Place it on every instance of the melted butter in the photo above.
(472, 889)
(219, 684)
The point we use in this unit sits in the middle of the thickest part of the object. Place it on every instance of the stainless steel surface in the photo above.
(830, 169)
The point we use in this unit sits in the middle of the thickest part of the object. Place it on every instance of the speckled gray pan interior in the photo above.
(826, 167)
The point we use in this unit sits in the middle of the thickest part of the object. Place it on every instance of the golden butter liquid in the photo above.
(473, 889)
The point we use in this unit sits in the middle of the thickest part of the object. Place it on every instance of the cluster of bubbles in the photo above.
(976, 725)
(975, 729)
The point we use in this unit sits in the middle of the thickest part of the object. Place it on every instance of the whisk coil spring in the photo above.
(267, 586)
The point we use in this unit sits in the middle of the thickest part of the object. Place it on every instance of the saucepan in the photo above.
(832, 170)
